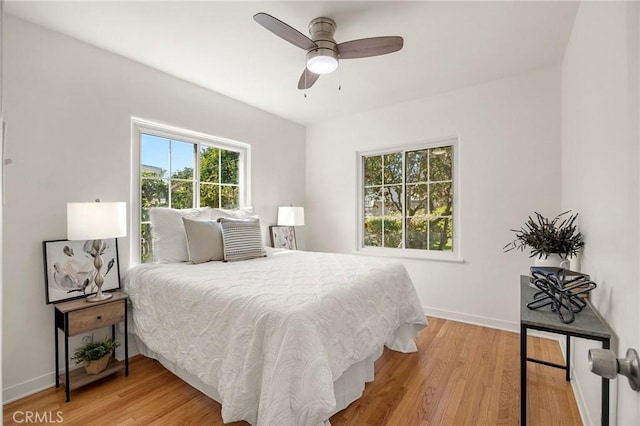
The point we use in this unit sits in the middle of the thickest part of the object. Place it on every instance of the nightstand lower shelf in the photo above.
(79, 378)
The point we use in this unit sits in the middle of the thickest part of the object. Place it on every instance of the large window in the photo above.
(181, 169)
(407, 200)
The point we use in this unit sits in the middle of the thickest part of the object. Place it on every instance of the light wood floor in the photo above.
(461, 375)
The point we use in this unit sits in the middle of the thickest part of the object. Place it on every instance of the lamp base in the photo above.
(99, 297)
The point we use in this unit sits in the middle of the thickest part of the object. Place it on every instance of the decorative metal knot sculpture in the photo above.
(561, 289)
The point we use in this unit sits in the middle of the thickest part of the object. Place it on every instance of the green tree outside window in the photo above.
(172, 180)
(410, 191)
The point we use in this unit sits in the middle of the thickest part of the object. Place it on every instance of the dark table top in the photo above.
(588, 323)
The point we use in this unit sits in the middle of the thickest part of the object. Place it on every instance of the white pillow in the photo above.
(167, 232)
(204, 240)
(241, 213)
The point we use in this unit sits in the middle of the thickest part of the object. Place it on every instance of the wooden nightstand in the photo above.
(79, 316)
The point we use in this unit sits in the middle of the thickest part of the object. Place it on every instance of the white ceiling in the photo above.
(217, 45)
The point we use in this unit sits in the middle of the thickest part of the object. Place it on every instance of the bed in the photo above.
(285, 339)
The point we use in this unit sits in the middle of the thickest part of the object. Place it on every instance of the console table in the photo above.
(588, 324)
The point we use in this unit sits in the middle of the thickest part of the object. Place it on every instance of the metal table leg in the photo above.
(568, 361)
(523, 375)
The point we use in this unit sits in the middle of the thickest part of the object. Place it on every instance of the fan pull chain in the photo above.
(306, 87)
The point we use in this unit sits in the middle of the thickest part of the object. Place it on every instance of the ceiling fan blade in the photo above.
(366, 47)
(284, 31)
(307, 79)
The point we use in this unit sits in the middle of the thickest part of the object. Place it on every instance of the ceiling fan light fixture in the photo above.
(322, 64)
(323, 59)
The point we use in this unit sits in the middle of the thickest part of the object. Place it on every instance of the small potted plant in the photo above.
(556, 240)
(95, 355)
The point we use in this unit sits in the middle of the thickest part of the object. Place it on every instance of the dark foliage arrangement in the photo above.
(546, 237)
(94, 350)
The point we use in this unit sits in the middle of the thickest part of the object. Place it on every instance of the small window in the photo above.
(182, 169)
(407, 201)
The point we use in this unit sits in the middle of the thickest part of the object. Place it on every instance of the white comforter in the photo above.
(273, 334)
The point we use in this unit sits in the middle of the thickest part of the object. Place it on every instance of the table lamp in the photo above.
(96, 221)
(290, 216)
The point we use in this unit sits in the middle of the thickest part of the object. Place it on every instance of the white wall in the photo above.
(509, 146)
(600, 179)
(68, 107)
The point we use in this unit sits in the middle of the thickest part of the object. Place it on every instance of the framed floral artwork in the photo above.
(69, 271)
(283, 237)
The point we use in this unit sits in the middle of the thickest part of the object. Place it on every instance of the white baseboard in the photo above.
(473, 319)
(29, 387)
(492, 323)
(580, 401)
(46, 381)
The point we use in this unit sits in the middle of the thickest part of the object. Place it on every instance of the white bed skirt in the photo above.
(347, 388)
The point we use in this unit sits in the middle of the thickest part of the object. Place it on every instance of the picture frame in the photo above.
(283, 237)
(69, 271)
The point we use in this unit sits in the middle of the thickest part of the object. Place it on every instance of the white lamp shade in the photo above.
(96, 221)
(290, 216)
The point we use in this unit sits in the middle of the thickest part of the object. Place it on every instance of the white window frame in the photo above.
(141, 126)
(451, 256)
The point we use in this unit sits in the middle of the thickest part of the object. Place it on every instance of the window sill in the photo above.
(410, 254)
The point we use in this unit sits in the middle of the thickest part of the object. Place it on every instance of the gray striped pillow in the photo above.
(241, 239)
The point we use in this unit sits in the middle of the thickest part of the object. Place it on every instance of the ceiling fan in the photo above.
(323, 52)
